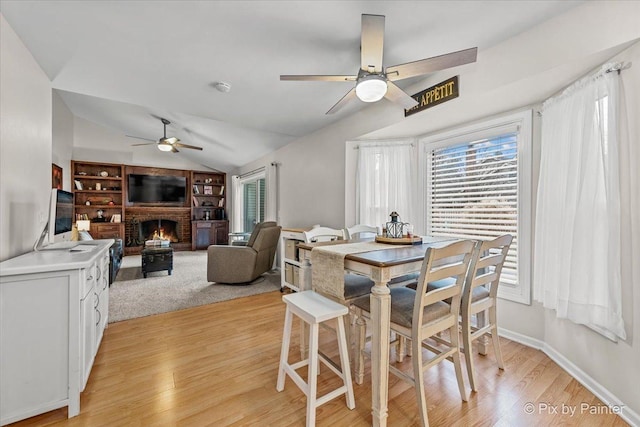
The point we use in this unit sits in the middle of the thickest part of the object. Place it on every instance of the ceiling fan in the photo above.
(166, 144)
(373, 82)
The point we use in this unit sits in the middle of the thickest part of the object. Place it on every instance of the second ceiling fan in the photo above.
(167, 144)
(373, 82)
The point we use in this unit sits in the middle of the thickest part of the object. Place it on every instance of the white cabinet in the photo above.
(87, 336)
(290, 265)
(102, 295)
(50, 328)
(94, 307)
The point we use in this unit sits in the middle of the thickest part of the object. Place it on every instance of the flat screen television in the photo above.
(156, 188)
(60, 216)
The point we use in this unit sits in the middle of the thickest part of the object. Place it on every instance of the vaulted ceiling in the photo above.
(123, 65)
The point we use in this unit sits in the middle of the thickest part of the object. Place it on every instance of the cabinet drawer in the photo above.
(106, 231)
(88, 279)
(103, 228)
(108, 235)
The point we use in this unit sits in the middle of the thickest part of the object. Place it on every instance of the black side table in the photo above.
(157, 259)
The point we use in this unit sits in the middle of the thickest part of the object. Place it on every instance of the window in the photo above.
(477, 185)
(249, 201)
(253, 206)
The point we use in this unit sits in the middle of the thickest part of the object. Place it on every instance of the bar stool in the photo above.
(315, 309)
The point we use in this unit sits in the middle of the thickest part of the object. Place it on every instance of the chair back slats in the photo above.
(323, 234)
(442, 272)
(441, 294)
(484, 279)
(489, 260)
(361, 230)
(449, 261)
(486, 268)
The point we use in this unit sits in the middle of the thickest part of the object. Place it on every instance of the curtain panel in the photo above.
(385, 182)
(577, 269)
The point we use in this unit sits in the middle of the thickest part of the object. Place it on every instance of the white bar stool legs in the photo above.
(314, 309)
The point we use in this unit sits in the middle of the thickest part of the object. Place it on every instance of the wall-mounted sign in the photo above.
(435, 95)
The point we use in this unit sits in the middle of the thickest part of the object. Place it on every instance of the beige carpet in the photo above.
(132, 296)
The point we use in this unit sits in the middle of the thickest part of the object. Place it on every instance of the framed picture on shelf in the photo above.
(208, 189)
(195, 189)
(78, 184)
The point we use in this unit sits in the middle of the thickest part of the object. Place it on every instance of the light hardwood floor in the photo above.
(217, 365)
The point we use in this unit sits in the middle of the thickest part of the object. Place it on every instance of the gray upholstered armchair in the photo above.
(243, 264)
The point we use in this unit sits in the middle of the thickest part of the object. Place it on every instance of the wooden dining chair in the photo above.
(353, 286)
(418, 315)
(323, 234)
(360, 231)
(480, 295)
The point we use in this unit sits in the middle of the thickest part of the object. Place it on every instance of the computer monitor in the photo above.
(60, 216)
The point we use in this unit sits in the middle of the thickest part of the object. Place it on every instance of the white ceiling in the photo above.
(125, 64)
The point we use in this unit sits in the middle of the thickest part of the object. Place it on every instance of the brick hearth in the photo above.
(181, 215)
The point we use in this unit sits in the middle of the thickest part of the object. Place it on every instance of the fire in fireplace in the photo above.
(160, 229)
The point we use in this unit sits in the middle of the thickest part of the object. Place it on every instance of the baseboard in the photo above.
(601, 392)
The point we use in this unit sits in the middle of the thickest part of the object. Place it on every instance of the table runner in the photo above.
(327, 265)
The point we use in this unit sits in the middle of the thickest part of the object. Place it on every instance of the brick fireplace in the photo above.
(144, 222)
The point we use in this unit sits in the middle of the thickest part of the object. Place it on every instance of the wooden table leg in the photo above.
(380, 327)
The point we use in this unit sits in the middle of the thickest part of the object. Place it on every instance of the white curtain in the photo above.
(384, 182)
(577, 237)
(236, 212)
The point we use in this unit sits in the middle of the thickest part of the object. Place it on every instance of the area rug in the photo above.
(132, 296)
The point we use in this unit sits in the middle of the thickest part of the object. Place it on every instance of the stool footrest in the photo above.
(330, 364)
(297, 379)
(331, 395)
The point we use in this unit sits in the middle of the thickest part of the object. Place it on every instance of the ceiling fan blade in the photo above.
(429, 65)
(397, 95)
(148, 143)
(174, 150)
(193, 147)
(318, 78)
(139, 137)
(344, 101)
(372, 43)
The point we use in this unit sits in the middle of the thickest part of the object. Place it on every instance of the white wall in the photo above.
(62, 133)
(519, 73)
(25, 145)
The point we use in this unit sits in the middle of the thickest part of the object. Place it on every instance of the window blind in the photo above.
(473, 193)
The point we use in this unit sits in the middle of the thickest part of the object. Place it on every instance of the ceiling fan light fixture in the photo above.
(163, 146)
(371, 88)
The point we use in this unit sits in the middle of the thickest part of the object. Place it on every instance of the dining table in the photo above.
(381, 264)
